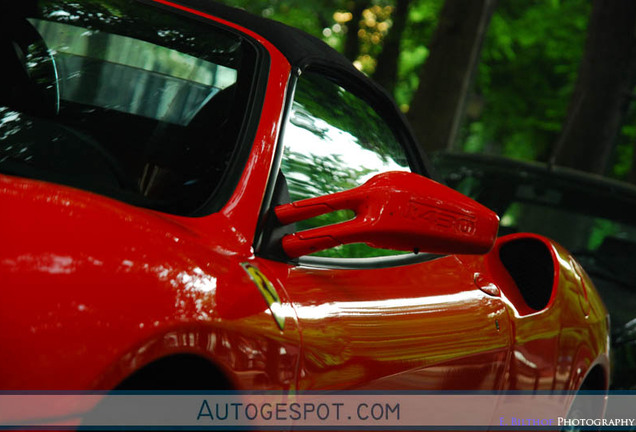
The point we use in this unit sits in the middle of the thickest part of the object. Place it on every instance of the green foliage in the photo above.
(526, 77)
(601, 229)
(328, 20)
(527, 74)
(624, 154)
(314, 17)
(623, 157)
(421, 24)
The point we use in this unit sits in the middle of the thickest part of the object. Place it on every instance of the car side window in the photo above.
(127, 101)
(334, 141)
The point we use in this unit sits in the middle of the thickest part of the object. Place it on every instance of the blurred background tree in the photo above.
(512, 78)
(603, 90)
(438, 105)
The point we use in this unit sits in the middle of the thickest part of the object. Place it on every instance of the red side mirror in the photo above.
(395, 210)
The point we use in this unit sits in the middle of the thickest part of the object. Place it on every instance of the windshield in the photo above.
(122, 99)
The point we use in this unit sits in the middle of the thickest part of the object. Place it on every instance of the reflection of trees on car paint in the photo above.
(311, 176)
(335, 141)
(344, 112)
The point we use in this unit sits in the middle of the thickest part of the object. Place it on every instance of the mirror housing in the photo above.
(394, 210)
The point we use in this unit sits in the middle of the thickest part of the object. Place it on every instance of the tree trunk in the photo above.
(352, 42)
(386, 70)
(445, 78)
(603, 88)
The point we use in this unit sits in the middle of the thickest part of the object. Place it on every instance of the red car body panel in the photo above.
(95, 279)
(386, 207)
(94, 290)
(60, 237)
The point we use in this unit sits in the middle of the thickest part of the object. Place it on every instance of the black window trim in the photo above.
(383, 104)
(266, 216)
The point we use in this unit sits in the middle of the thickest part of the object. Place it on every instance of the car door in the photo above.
(371, 319)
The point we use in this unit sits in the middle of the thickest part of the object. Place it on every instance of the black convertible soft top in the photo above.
(297, 46)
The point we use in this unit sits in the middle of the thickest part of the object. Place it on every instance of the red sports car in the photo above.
(197, 198)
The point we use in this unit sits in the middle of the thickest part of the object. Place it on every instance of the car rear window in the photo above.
(123, 99)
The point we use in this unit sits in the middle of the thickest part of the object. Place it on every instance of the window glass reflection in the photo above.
(123, 99)
(165, 84)
(335, 141)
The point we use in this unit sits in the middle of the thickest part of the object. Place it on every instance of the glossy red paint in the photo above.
(394, 210)
(94, 290)
(437, 332)
(98, 280)
(440, 331)
(79, 264)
